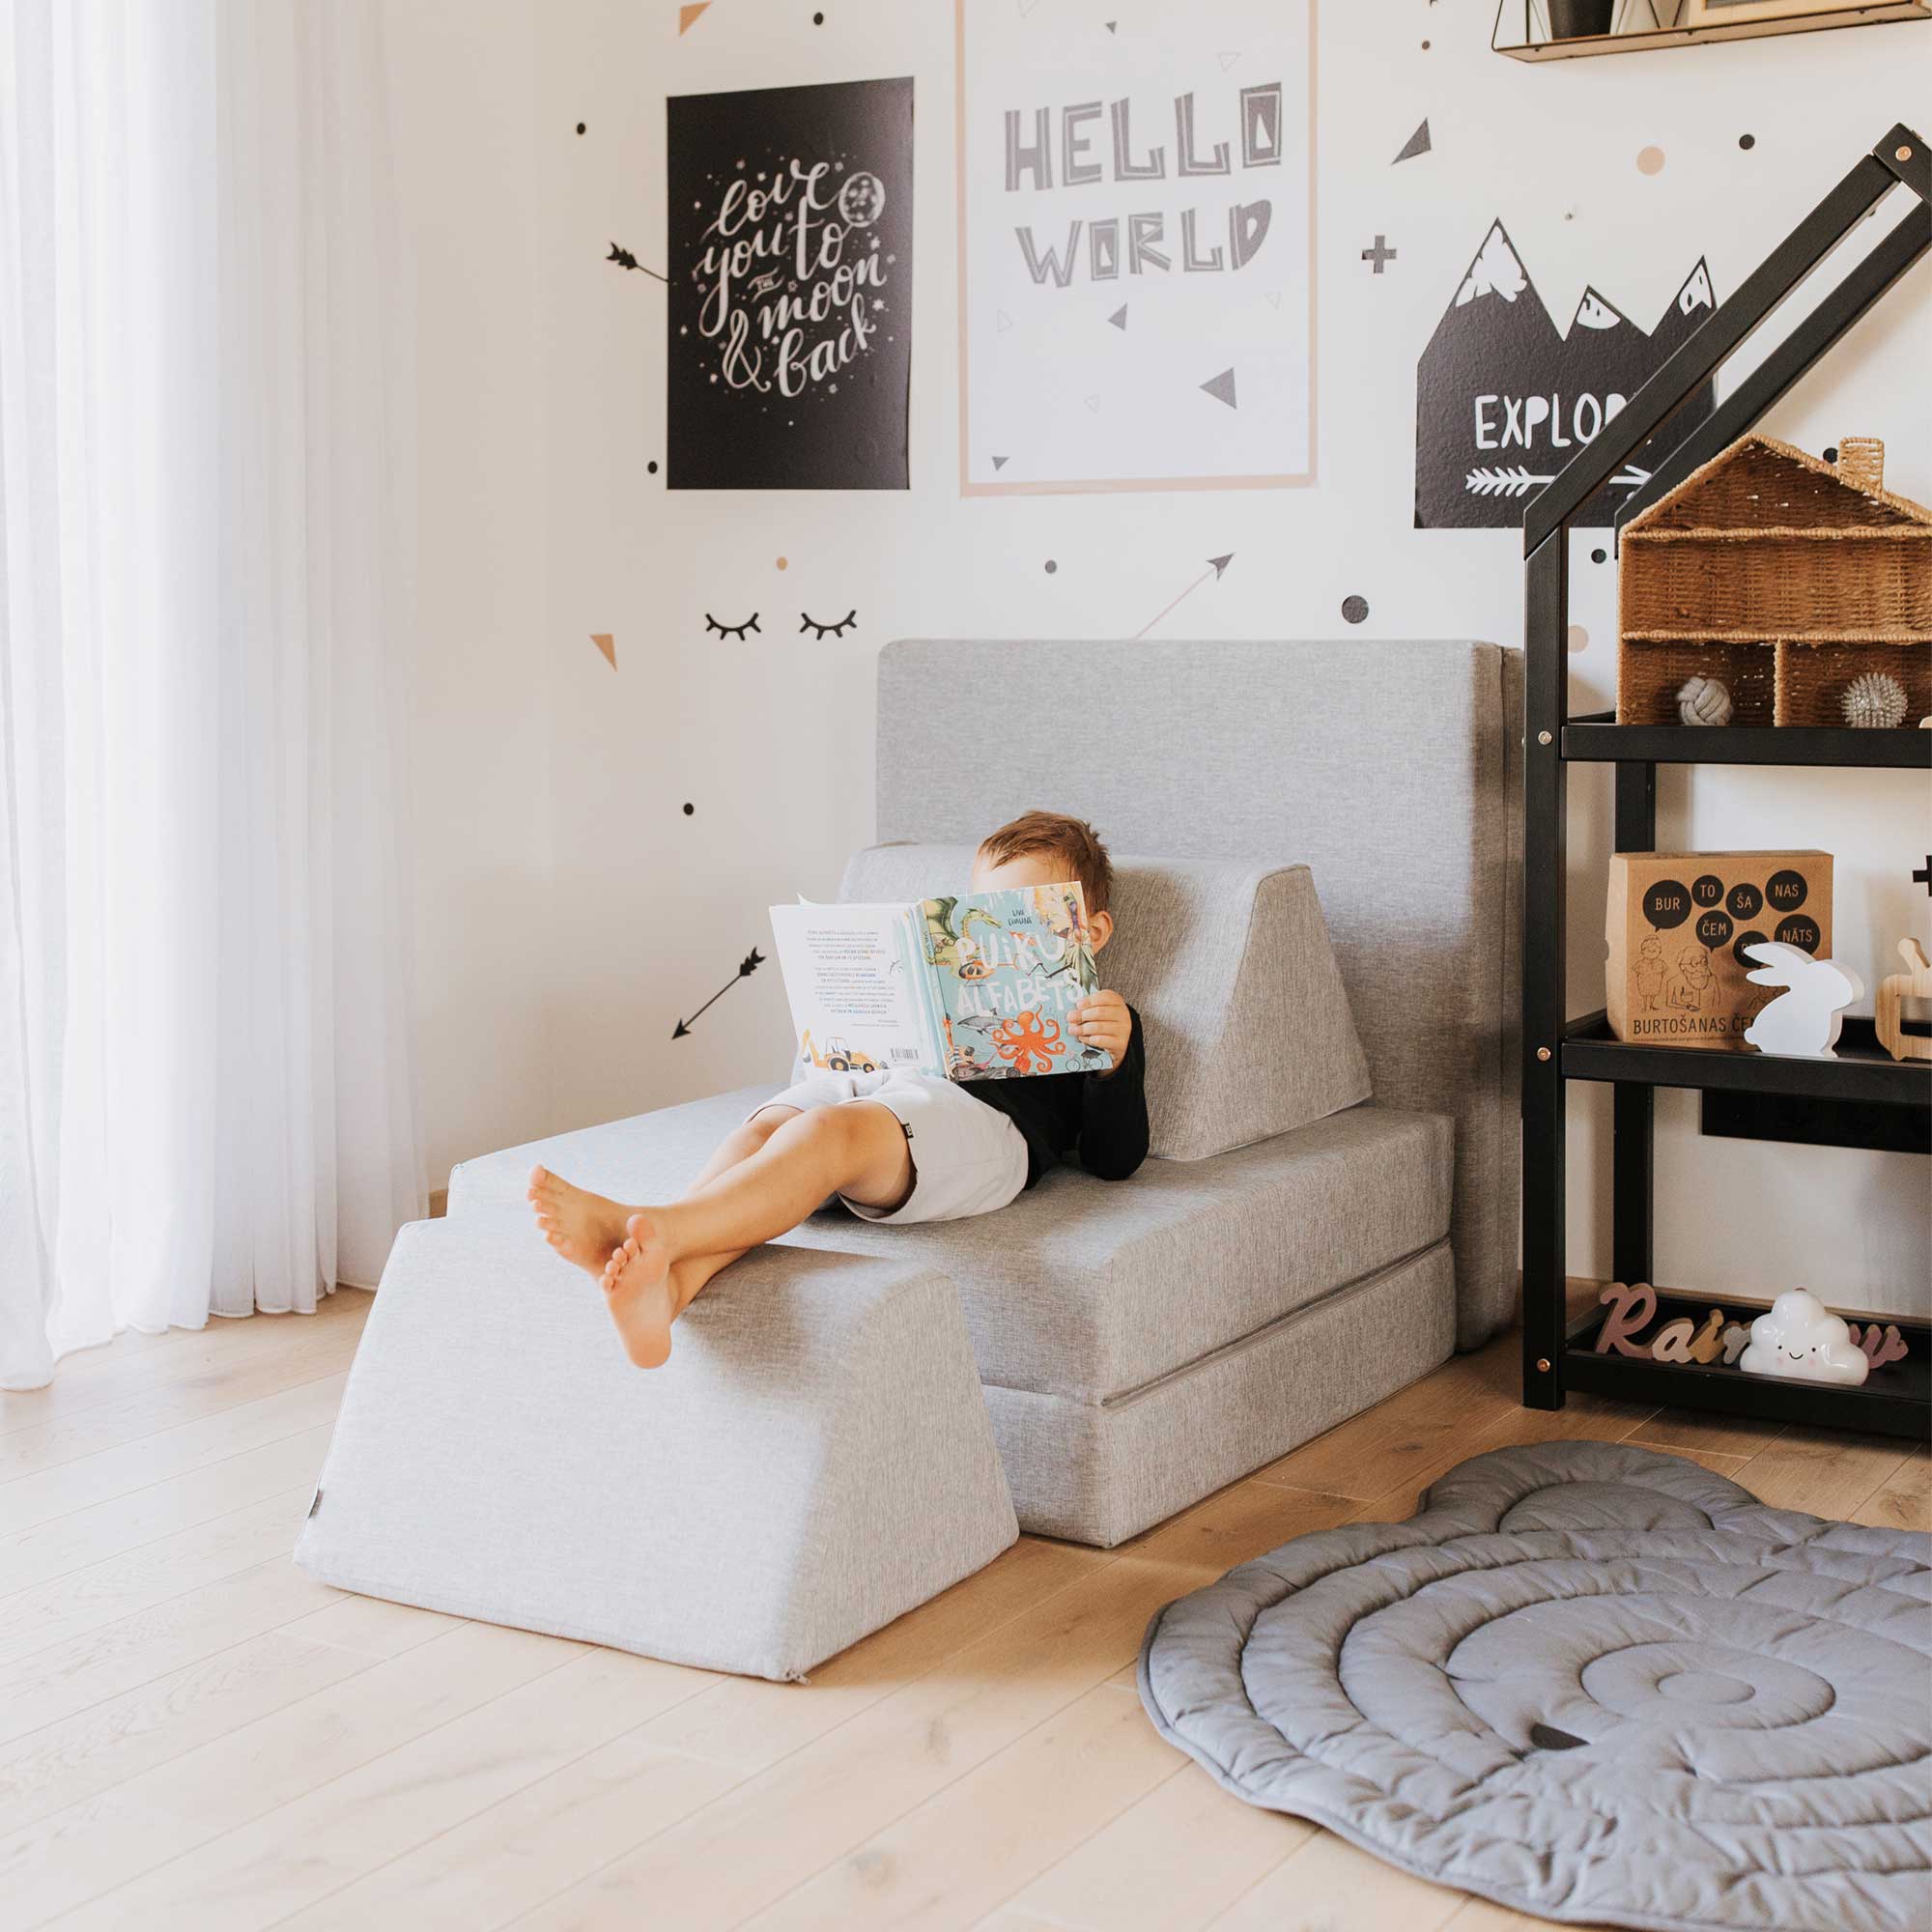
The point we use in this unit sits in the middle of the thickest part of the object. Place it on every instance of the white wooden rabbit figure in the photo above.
(1804, 1019)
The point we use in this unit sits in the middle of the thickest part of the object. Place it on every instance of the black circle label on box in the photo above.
(1801, 930)
(1707, 889)
(1745, 902)
(1743, 958)
(1714, 929)
(1785, 892)
(1666, 903)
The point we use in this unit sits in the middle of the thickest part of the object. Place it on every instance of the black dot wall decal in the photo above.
(689, 810)
(818, 19)
(1746, 142)
(579, 127)
(1051, 567)
(1598, 555)
(1354, 609)
(1832, 454)
(652, 467)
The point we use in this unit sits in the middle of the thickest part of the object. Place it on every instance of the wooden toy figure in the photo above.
(1913, 983)
(1805, 1018)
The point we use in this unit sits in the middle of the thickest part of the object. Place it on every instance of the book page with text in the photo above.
(850, 975)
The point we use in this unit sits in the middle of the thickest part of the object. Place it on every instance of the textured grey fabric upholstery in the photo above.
(814, 1460)
(1391, 769)
(1082, 1288)
(1593, 1682)
(1247, 1025)
(1142, 1342)
(1100, 1472)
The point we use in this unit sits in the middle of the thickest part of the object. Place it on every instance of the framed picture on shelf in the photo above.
(1728, 13)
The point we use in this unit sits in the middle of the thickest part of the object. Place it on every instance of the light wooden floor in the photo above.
(194, 1735)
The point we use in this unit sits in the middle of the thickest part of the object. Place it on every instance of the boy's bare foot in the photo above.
(583, 1227)
(642, 1299)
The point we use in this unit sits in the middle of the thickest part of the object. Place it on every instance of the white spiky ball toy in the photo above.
(1703, 701)
(1874, 702)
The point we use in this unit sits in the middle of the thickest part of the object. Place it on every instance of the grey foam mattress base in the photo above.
(1588, 1682)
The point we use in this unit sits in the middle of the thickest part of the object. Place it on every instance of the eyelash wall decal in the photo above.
(751, 624)
(821, 630)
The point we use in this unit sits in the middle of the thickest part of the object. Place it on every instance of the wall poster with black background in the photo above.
(790, 276)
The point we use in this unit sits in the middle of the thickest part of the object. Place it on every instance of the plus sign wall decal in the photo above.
(1924, 875)
(1382, 252)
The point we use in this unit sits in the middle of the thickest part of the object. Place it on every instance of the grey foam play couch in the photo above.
(1323, 950)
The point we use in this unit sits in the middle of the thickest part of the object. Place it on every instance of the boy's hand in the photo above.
(1102, 1020)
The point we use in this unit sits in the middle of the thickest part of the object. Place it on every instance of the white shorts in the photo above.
(967, 1157)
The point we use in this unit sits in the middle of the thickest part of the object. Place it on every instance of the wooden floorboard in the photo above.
(195, 1734)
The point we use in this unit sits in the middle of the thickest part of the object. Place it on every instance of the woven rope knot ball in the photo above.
(1703, 701)
(1874, 702)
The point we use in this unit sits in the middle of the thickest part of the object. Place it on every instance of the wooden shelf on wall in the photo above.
(1644, 40)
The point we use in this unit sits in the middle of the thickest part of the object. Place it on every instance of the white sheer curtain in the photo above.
(207, 1101)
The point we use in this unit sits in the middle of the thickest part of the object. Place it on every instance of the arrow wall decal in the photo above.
(1215, 566)
(747, 966)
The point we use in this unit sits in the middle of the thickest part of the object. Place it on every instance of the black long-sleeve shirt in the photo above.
(1101, 1116)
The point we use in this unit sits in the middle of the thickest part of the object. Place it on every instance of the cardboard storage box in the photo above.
(1677, 925)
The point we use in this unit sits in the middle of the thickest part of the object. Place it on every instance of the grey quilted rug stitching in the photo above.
(1589, 1681)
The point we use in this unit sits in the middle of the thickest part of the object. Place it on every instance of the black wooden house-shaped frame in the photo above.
(1862, 1098)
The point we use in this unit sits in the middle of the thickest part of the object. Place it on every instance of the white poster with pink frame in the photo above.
(1136, 244)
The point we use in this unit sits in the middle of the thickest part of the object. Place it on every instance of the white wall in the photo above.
(560, 774)
(461, 109)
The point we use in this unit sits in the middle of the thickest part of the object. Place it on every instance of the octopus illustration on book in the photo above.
(1029, 1043)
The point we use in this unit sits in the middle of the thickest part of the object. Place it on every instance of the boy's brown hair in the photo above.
(1055, 835)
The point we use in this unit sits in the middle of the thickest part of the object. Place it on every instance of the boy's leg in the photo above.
(588, 1228)
(858, 1150)
(691, 1276)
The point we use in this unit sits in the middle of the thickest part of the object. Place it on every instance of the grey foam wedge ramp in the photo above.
(1597, 1684)
(814, 1460)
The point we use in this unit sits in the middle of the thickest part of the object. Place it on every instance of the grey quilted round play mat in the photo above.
(1588, 1681)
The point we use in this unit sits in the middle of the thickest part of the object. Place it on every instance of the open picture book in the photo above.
(977, 987)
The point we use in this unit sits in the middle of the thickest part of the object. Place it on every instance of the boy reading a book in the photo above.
(893, 1147)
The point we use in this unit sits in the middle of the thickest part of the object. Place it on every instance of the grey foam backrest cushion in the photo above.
(1247, 1026)
(1392, 768)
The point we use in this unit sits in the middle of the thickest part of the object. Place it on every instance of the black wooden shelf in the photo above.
(1860, 1098)
(1862, 1070)
(1597, 738)
(1891, 1400)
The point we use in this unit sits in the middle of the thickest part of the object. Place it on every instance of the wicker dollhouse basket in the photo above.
(1783, 577)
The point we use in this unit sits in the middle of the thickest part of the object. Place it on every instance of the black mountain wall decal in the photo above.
(1503, 399)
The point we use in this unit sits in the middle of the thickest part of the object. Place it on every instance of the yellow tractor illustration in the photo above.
(838, 1057)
